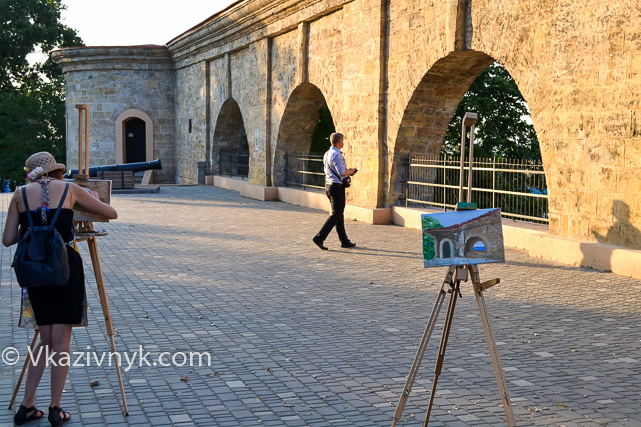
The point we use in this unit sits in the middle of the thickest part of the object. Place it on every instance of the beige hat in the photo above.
(42, 160)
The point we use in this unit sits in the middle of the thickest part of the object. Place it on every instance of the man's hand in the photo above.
(350, 172)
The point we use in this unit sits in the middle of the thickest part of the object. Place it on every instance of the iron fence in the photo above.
(233, 163)
(304, 170)
(518, 187)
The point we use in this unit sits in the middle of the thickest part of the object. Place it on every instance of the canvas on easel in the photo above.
(463, 237)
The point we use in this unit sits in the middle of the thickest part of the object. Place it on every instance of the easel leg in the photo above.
(447, 326)
(494, 351)
(420, 353)
(24, 368)
(104, 302)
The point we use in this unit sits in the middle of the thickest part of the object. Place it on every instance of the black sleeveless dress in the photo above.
(59, 304)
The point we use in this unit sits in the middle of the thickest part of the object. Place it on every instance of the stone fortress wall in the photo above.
(113, 81)
(392, 74)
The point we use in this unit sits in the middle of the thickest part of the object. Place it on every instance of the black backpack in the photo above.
(41, 257)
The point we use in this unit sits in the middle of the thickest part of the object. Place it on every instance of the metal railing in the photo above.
(233, 163)
(304, 170)
(518, 187)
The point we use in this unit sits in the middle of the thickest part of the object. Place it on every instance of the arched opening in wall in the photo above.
(230, 148)
(135, 142)
(303, 137)
(475, 246)
(508, 171)
(446, 248)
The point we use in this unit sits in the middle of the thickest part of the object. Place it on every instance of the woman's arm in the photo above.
(90, 202)
(11, 230)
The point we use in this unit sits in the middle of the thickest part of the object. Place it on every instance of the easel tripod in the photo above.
(452, 285)
(85, 232)
(455, 275)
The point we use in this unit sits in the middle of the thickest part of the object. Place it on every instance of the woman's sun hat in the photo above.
(40, 164)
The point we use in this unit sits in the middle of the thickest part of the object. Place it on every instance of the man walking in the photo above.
(335, 171)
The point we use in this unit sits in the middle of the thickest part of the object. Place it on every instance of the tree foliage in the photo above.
(504, 128)
(324, 128)
(32, 109)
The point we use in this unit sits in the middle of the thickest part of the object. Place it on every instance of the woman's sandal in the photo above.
(57, 416)
(22, 416)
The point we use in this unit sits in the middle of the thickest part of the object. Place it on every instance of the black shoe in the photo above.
(22, 416)
(57, 416)
(319, 243)
(348, 244)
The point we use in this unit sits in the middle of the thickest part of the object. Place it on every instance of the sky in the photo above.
(135, 22)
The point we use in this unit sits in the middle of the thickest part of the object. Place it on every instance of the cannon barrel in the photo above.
(134, 167)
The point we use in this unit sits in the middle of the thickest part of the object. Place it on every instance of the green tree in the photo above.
(324, 128)
(504, 128)
(32, 109)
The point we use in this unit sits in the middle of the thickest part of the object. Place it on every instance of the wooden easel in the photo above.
(85, 232)
(452, 285)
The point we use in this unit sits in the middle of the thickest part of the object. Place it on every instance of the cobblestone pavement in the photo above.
(298, 336)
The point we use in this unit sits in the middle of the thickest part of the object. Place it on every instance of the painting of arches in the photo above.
(461, 238)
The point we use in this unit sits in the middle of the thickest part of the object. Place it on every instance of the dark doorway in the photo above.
(447, 249)
(135, 141)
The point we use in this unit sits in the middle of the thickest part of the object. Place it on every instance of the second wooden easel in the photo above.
(452, 286)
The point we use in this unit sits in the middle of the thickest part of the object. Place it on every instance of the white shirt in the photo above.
(334, 159)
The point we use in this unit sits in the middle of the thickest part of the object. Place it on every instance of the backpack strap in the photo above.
(62, 200)
(55, 216)
(26, 204)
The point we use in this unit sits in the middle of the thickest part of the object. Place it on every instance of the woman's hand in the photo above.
(91, 202)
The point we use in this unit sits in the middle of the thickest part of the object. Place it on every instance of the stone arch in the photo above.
(471, 242)
(446, 248)
(121, 135)
(297, 126)
(230, 135)
(430, 109)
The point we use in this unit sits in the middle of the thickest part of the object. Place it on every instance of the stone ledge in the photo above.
(539, 243)
(310, 199)
(316, 199)
(621, 261)
(151, 189)
(245, 188)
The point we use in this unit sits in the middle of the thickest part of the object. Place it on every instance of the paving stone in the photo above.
(303, 337)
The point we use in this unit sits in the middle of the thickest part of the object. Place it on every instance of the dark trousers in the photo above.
(336, 195)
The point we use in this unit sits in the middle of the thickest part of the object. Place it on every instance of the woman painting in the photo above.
(55, 308)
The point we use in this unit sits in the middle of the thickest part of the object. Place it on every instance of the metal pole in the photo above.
(285, 169)
(471, 159)
(493, 181)
(406, 184)
(468, 120)
(460, 182)
(444, 184)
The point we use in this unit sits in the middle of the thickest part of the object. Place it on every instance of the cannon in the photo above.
(131, 167)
